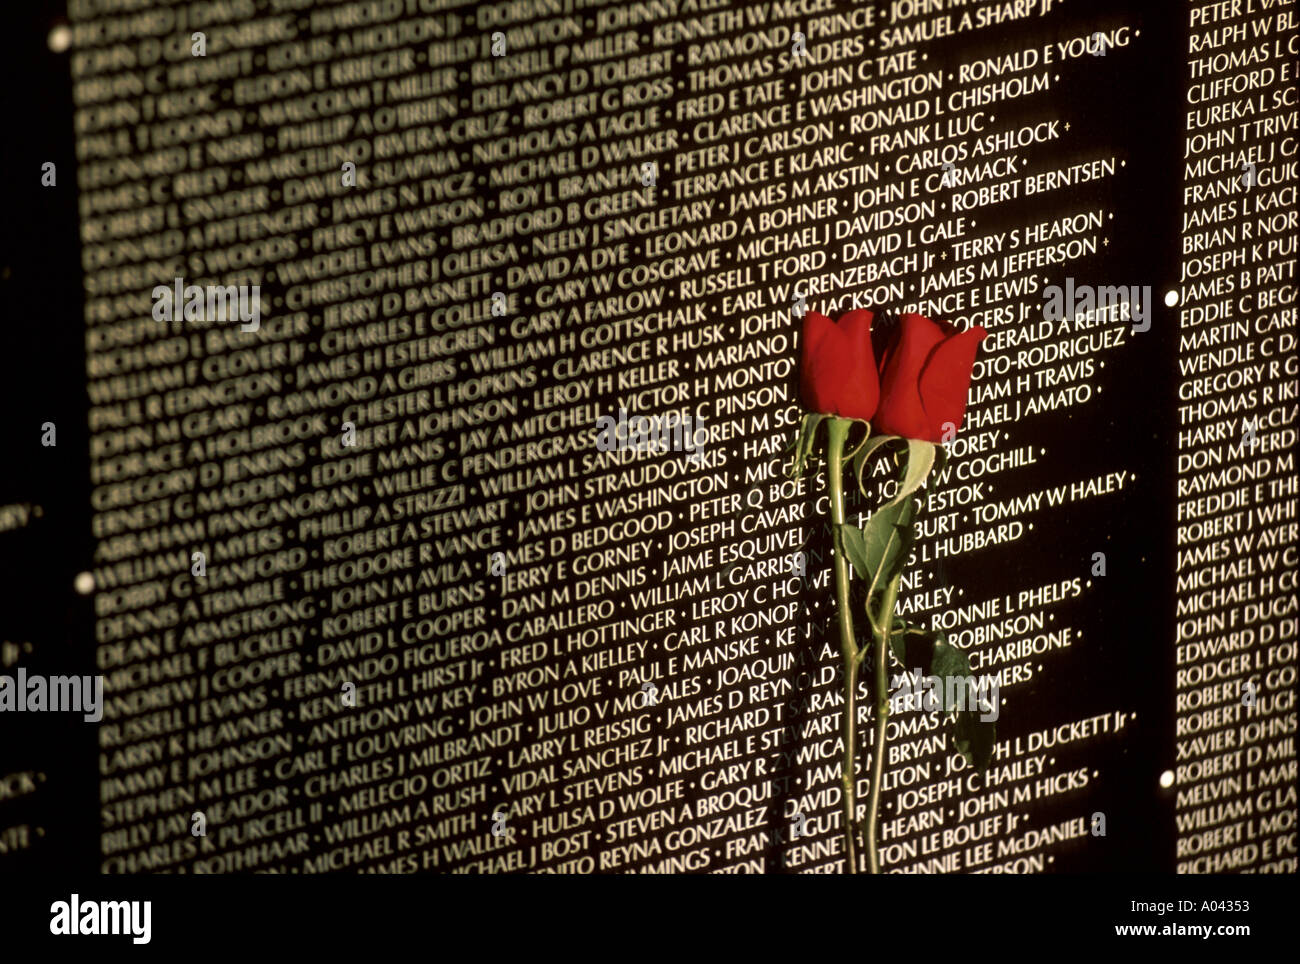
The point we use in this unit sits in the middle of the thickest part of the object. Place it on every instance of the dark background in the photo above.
(42, 379)
(1131, 99)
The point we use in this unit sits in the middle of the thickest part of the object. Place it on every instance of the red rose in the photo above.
(838, 374)
(924, 377)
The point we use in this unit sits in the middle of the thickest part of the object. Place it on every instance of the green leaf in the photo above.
(908, 644)
(912, 645)
(974, 738)
(920, 460)
(887, 540)
(948, 660)
(866, 437)
(863, 452)
(803, 443)
(848, 424)
(898, 642)
(855, 547)
(923, 460)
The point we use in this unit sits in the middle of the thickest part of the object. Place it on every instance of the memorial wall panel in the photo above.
(375, 297)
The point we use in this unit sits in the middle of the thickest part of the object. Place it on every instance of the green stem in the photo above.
(837, 431)
(886, 619)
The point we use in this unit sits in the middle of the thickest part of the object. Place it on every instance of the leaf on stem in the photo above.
(878, 552)
(866, 437)
(870, 553)
(863, 452)
(855, 547)
(920, 460)
(886, 541)
(973, 737)
(803, 443)
(948, 661)
(903, 636)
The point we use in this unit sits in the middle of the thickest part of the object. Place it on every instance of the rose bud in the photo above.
(924, 378)
(838, 373)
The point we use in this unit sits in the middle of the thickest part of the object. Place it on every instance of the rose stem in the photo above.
(886, 621)
(837, 432)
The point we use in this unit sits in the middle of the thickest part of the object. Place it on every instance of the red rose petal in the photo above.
(902, 410)
(838, 374)
(945, 380)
